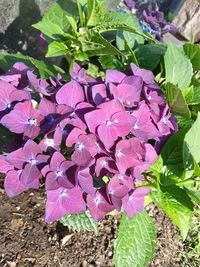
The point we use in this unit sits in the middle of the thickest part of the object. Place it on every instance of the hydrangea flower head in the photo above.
(89, 139)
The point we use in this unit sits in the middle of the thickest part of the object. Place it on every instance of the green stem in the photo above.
(145, 177)
(145, 186)
(190, 180)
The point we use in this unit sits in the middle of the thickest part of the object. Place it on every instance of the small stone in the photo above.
(66, 239)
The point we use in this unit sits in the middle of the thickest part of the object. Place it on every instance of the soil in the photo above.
(26, 240)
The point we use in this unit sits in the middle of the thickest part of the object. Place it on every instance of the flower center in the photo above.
(135, 127)
(80, 146)
(103, 162)
(32, 121)
(9, 105)
(59, 173)
(119, 153)
(108, 123)
(33, 161)
(49, 142)
(63, 193)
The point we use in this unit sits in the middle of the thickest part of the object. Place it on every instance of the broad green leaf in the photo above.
(81, 4)
(172, 153)
(184, 122)
(148, 56)
(191, 145)
(129, 38)
(176, 100)
(192, 51)
(96, 11)
(79, 222)
(54, 23)
(178, 67)
(110, 62)
(116, 21)
(193, 194)
(45, 70)
(178, 206)
(8, 60)
(56, 49)
(95, 45)
(136, 242)
(195, 99)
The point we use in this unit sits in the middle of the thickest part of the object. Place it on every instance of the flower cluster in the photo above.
(87, 138)
(151, 19)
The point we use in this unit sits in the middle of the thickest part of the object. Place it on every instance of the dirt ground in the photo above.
(26, 240)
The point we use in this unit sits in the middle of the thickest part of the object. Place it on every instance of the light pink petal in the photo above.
(70, 94)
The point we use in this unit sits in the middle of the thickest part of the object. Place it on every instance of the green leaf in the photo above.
(184, 122)
(195, 99)
(191, 145)
(193, 194)
(136, 242)
(56, 49)
(8, 60)
(129, 38)
(115, 21)
(95, 45)
(45, 70)
(172, 153)
(96, 11)
(178, 206)
(176, 100)
(81, 4)
(109, 62)
(178, 67)
(148, 56)
(54, 23)
(192, 51)
(80, 221)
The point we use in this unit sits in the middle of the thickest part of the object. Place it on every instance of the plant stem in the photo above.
(190, 180)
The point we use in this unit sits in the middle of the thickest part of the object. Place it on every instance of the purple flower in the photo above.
(110, 121)
(9, 94)
(13, 184)
(133, 202)
(70, 94)
(23, 119)
(17, 75)
(88, 129)
(143, 127)
(99, 204)
(59, 173)
(28, 159)
(43, 42)
(62, 201)
(78, 74)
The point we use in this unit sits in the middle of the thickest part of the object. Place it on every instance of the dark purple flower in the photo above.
(99, 204)
(43, 42)
(143, 127)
